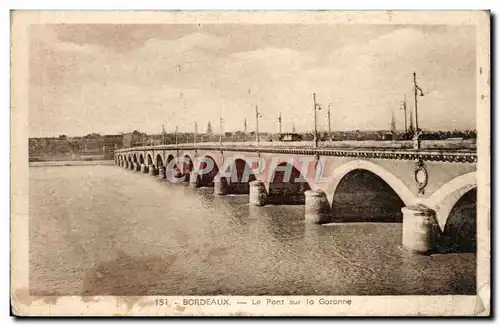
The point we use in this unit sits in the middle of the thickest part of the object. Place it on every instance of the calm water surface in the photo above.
(103, 230)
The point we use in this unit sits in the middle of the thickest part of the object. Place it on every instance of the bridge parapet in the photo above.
(454, 145)
(458, 156)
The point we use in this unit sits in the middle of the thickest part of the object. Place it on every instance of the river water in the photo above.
(104, 230)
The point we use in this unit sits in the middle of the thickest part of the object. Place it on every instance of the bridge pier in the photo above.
(176, 175)
(258, 193)
(317, 208)
(194, 179)
(132, 166)
(221, 186)
(137, 167)
(421, 231)
(153, 170)
(162, 173)
(144, 168)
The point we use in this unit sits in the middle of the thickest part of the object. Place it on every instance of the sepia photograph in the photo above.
(250, 163)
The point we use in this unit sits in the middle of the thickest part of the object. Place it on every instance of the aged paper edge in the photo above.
(24, 305)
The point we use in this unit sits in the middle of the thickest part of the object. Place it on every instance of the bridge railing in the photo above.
(441, 145)
(395, 153)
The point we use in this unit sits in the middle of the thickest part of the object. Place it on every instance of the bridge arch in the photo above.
(287, 185)
(179, 168)
(459, 232)
(159, 161)
(187, 166)
(361, 195)
(444, 199)
(150, 159)
(141, 158)
(170, 157)
(403, 192)
(241, 176)
(207, 177)
(134, 157)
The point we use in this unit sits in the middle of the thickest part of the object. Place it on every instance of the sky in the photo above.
(112, 79)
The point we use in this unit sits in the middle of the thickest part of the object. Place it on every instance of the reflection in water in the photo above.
(126, 275)
(104, 230)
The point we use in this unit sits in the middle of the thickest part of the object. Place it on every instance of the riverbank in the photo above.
(71, 163)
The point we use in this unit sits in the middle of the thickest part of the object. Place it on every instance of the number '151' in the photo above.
(161, 302)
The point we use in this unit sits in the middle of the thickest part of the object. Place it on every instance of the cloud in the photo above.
(367, 81)
(80, 88)
(276, 57)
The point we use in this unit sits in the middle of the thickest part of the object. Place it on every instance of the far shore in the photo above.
(71, 163)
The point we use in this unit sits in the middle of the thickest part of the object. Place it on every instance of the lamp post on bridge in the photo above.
(257, 117)
(245, 130)
(195, 133)
(316, 107)
(416, 89)
(403, 107)
(329, 122)
(176, 138)
(279, 121)
(221, 121)
(183, 98)
(163, 134)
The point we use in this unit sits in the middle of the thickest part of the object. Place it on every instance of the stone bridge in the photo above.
(425, 186)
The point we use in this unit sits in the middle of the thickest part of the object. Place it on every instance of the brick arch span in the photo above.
(444, 199)
(397, 185)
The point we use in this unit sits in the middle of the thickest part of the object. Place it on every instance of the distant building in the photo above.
(156, 139)
(113, 139)
(290, 137)
(110, 143)
(388, 135)
(134, 139)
